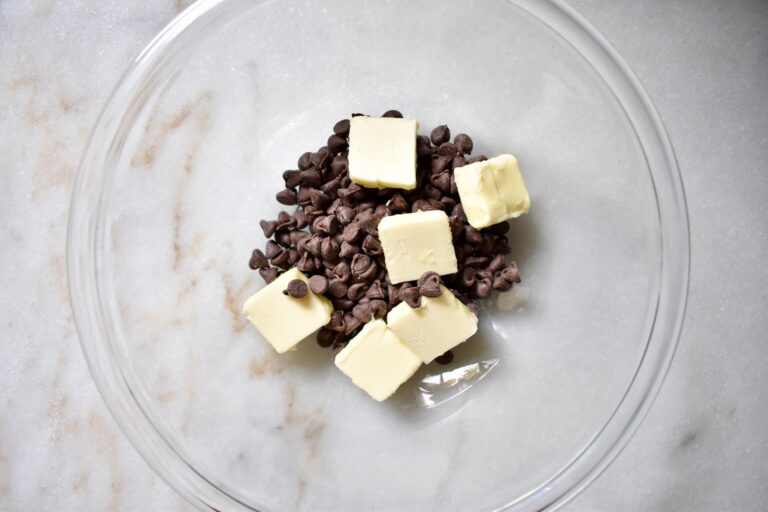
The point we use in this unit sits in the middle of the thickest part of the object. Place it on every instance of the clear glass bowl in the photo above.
(185, 160)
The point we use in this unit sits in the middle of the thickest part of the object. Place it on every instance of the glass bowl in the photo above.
(186, 158)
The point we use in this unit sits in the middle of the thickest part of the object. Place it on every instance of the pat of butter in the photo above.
(377, 361)
(415, 243)
(436, 326)
(382, 152)
(492, 191)
(282, 320)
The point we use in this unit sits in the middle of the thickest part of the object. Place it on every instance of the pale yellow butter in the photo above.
(282, 320)
(382, 152)
(415, 243)
(436, 326)
(492, 191)
(377, 361)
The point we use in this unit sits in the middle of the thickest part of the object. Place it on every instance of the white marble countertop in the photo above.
(703, 446)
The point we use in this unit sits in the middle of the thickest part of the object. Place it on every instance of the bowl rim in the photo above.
(85, 229)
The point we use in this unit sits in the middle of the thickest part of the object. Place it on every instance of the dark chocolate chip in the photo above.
(357, 291)
(440, 135)
(398, 204)
(318, 284)
(511, 273)
(458, 161)
(392, 113)
(467, 277)
(345, 214)
(497, 263)
(363, 267)
(272, 249)
(305, 161)
(292, 178)
(337, 288)
(269, 274)
(351, 323)
(318, 198)
(423, 147)
(502, 285)
(338, 346)
(283, 238)
(339, 165)
(342, 128)
(372, 246)
(352, 233)
(500, 246)
(410, 296)
(498, 229)
(476, 261)
(444, 359)
(440, 164)
(375, 291)
(296, 288)
(363, 312)
(478, 158)
(314, 245)
(378, 308)
(306, 263)
(337, 144)
(482, 288)
(423, 205)
(328, 225)
(463, 143)
(472, 236)
(342, 271)
(336, 323)
(325, 337)
(447, 150)
(281, 260)
(258, 260)
(431, 192)
(321, 158)
(311, 178)
(343, 303)
(329, 250)
(293, 256)
(268, 227)
(348, 250)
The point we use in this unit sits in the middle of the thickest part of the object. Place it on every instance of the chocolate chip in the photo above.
(482, 288)
(502, 285)
(432, 192)
(476, 261)
(306, 263)
(393, 294)
(375, 291)
(345, 214)
(429, 277)
(472, 236)
(321, 158)
(421, 205)
(363, 312)
(447, 150)
(310, 178)
(281, 260)
(342, 271)
(463, 143)
(497, 263)
(318, 198)
(325, 337)
(338, 346)
(428, 290)
(392, 113)
(329, 250)
(301, 220)
(296, 288)
(411, 296)
(500, 246)
(440, 135)
(372, 246)
(445, 358)
(337, 288)
(423, 147)
(458, 161)
(337, 144)
(293, 256)
(269, 274)
(342, 128)
(258, 260)
(314, 245)
(458, 211)
(500, 229)
(511, 273)
(339, 165)
(378, 308)
(283, 238)
(318, 284)
(336, 323)
(357, 291)
(285, 221)
(343, 303)
(440, 164)
(305, 161)
(363, 267)
(272, 249)
(467, 277)
(292, 178)
(348, 250)
(351, 323)
(454, 188)
(303, 198)
(398, 204)
(268, 227)
(442, 182)
(328, 225)
(473, 308)
(352, 233)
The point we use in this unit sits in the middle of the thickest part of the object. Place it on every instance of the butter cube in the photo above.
(282, 320)
(382, 152)
(436, 326)
(492, 191)
(415, 243)
(377, 361)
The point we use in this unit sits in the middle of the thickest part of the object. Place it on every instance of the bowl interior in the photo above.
(199, 166)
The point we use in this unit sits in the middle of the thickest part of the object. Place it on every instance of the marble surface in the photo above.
(702, 447)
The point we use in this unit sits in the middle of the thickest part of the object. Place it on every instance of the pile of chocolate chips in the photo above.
(332, 236)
